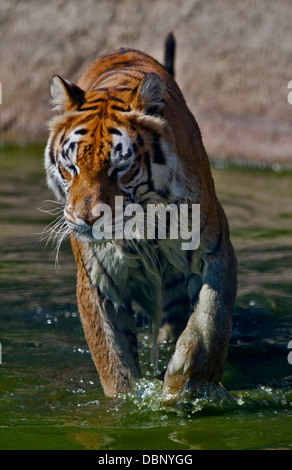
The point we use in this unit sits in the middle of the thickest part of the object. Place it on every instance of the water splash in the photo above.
(264, 397)
(147, 395)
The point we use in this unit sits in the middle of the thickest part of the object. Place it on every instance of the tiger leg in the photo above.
(111, 337)
(201, 349)
(176, 309)
(173, 322)
(112, 341)
(110, 332)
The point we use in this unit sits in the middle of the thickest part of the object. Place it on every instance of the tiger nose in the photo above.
(89, 220)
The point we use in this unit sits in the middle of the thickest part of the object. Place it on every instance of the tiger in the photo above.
(124, 130)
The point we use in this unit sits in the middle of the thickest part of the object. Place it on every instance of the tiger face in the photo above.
(102, 146)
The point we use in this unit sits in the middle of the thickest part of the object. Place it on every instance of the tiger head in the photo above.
(104, 144)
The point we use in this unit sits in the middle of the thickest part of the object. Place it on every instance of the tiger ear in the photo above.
(66, 96)
(150, 94)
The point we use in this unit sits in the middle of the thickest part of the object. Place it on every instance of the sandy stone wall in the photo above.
(234, 63)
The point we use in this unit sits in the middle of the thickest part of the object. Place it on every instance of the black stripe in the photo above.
(115, 88)
(119, 108)
(81, 131)
(173, 97)
(128, 154)
(118, 147)
(158, 156)
(122, 88)
(51, 152)
(61, 174)
(62, 138)
(140, 140)
(152, 110)
(111, 130)
(122, 72)
(52, 157)
(129, 63)
(97, 100)
(114, 98)
(142, 183)
(72, 167)
(103, 89)
(89, 108)
(114, 173)
(72, 146)
(90, 117)
(148, 165)
(64, 154)
(135, 173)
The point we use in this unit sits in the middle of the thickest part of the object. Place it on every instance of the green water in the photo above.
(50, 394)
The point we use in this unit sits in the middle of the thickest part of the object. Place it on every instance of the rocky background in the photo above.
(233, 64)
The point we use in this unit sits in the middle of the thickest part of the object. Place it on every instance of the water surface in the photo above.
(50, 394)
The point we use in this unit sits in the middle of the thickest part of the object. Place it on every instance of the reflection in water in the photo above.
(50, 392)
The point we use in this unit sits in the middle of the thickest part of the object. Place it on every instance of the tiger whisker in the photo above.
(52, 229)
(57, 231)
(66, 231)
(53, 211)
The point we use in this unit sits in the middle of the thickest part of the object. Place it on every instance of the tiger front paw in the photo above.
(191, 369)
